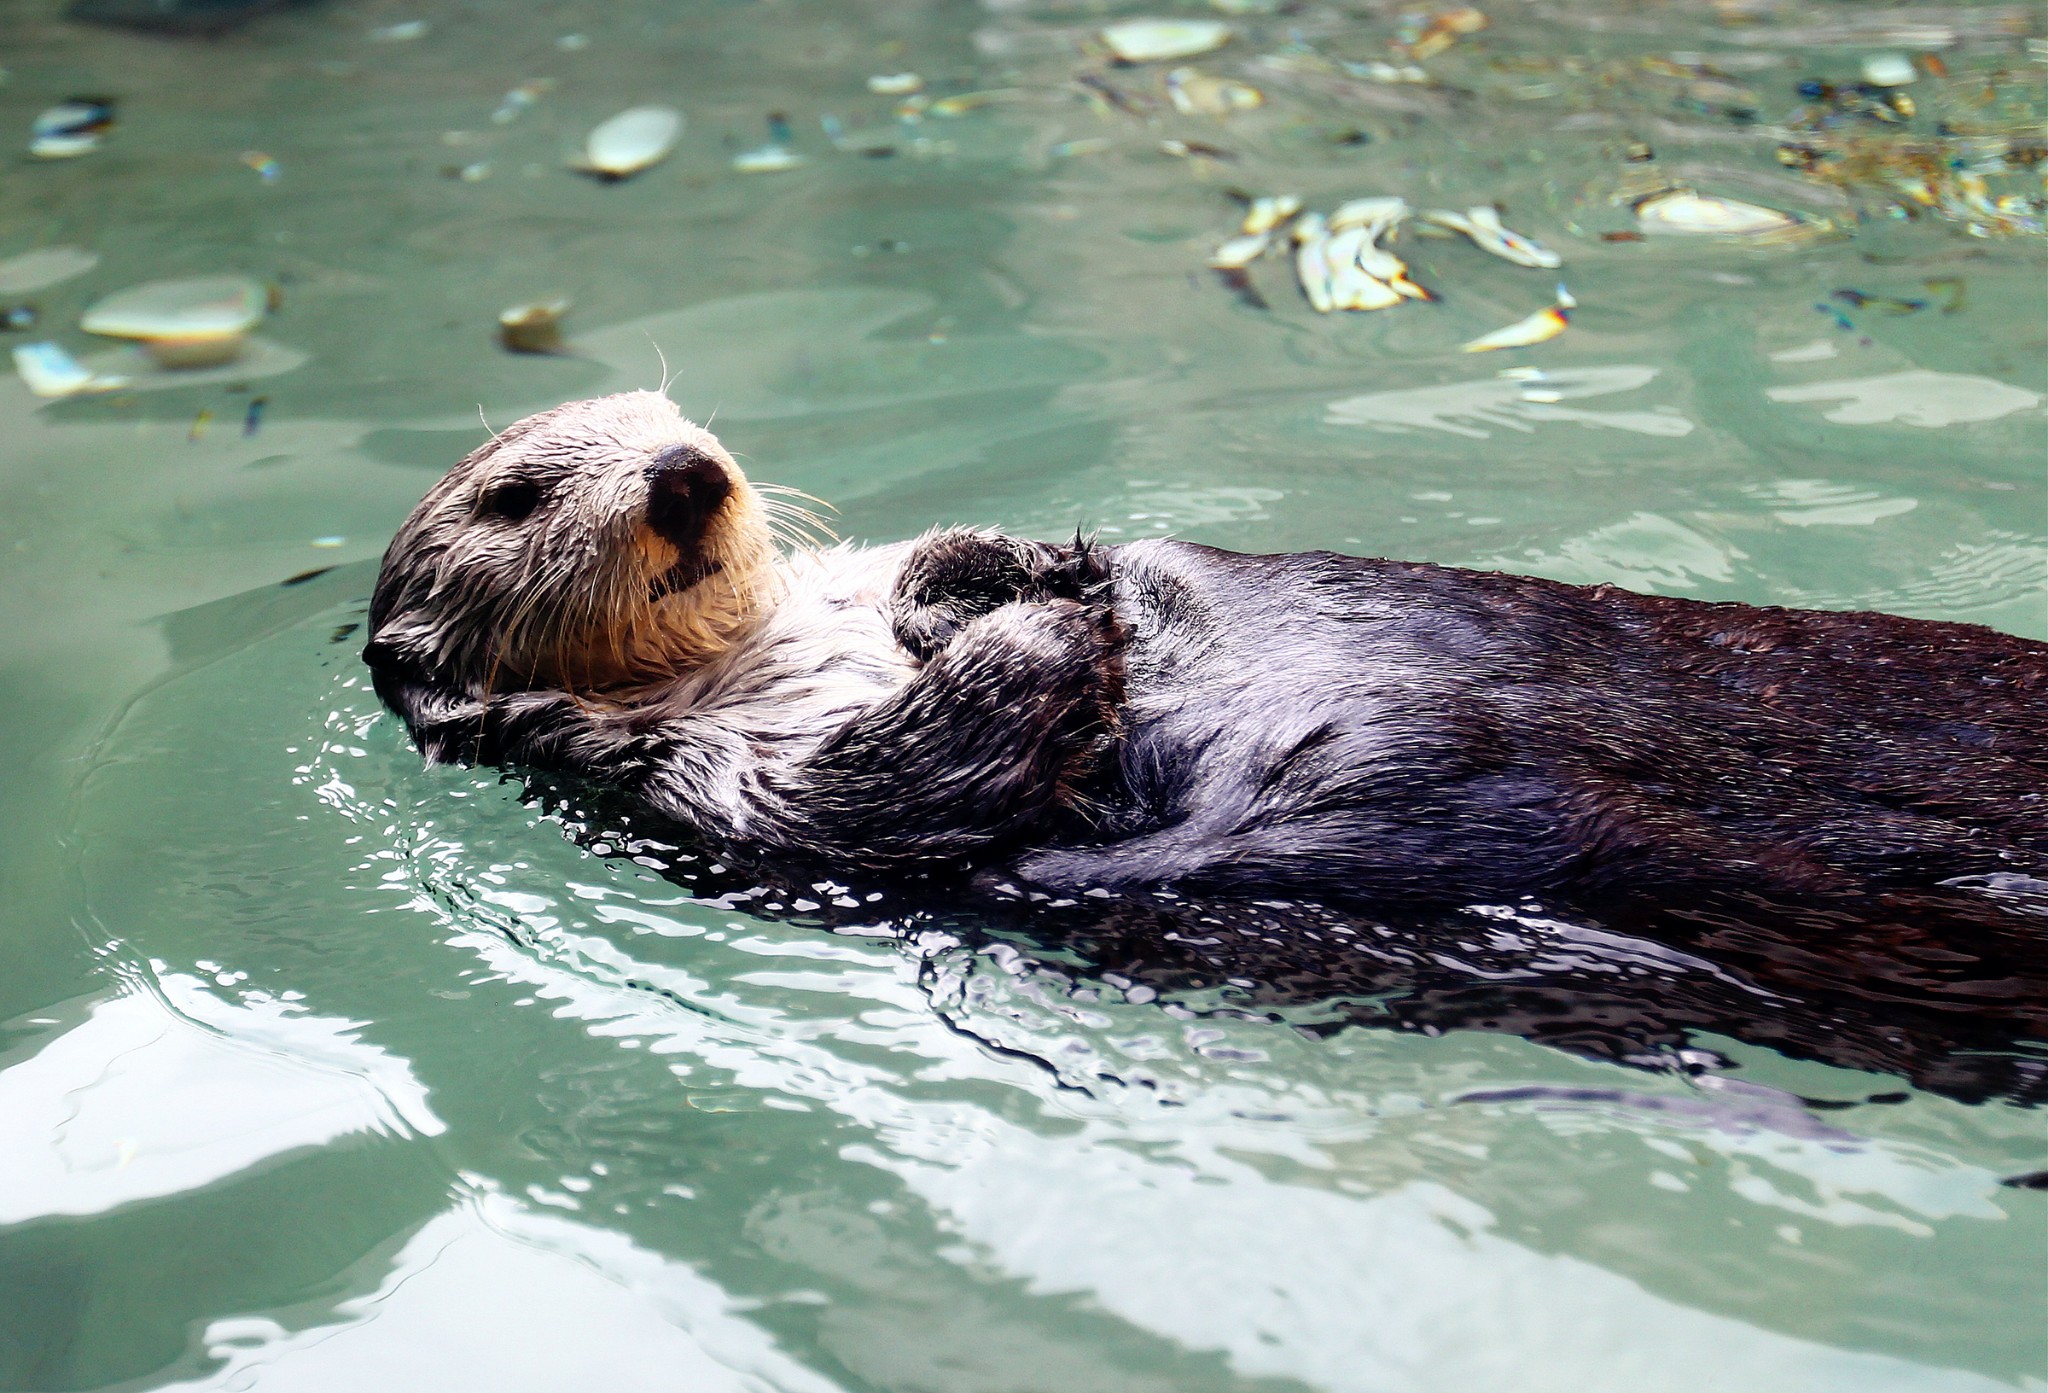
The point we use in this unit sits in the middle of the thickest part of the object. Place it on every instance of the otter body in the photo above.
(1350, 729)
(597, 591)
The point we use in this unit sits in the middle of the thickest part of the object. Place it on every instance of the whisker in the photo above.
(799, 522)
(791, 492)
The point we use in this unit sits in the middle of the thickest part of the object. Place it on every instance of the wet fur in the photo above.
(1367, 730)
(1330, 727)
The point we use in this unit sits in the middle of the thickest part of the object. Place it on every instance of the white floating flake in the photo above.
(1889, 70)
(1545, 324)
(1695, 214)
(1266, 213)
(1311, 266)
(48, 371)
(632, 141)
(70, 129)
(1341, 264)
(1483, 226)
(769, 159)
(1241, 251)
(1195, 93)
(1158, 40)
(199, 321)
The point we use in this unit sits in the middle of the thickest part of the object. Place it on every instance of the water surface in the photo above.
(324, 1071)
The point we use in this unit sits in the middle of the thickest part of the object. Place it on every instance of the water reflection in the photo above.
(1196, 1167)
(1944, 989)
(170, 1088)
(493, 1294)
(1518, 399)
(1929, 400)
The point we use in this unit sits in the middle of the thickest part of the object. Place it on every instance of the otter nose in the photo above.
(684, 488)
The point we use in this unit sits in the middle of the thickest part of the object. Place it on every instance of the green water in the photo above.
(321, 1071)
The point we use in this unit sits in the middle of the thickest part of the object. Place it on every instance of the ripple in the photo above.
(1517, 400)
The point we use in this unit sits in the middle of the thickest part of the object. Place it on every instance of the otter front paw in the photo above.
(955, 577)
(1062, 662)
(990, 740)
(951, 579)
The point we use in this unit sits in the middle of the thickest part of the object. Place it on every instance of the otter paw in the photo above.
(950, 580)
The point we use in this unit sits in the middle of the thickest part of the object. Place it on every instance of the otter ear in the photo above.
(446, 724)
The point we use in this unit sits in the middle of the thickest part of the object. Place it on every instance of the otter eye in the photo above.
(512, 502)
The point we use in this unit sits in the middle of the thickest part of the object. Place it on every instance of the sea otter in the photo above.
(599, 590)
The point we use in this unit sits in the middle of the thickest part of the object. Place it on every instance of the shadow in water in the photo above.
(1946, 989)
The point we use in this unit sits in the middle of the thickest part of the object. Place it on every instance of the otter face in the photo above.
(600, 545)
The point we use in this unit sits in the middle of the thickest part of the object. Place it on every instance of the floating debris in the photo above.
(1864, 100)
(15, 318)
(252, 419)
(1482, 224)
(1311, 266)
(1378, 216)
(268, 169)
(1374, 219)
(1950, 288)
(1543, 325)
(1195, 93)
(1694, 214)
(631, 141)
(961, 103)
(1087, 145)
(1338, 259)
(1443, 30)
(768, 159)
(1888, 303)
(71, 128)
(196, 432)
(520, 100)
(895, 84)
(573, 43)
(1377, 71)
(1263, 217)
(1159, 40)
(1195, 150)
(38, 270)
(199, 322)
(1889, 70)
(1105, 97)
(1351, 285)
(48, 371)
(402, 33)
(1842, 321)
(1266, 213)
(1241, 251)
(533, 328)
(1343, 262)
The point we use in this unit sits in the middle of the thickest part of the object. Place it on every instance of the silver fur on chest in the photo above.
(816, 657)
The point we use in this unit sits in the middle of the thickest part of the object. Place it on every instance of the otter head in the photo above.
(596, 547)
